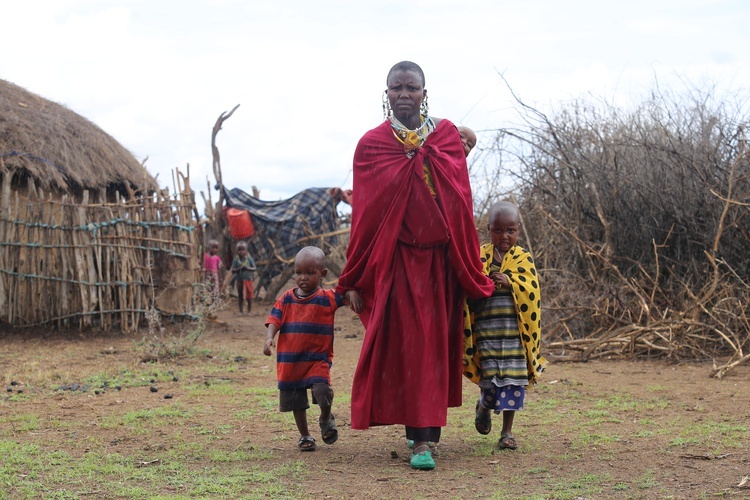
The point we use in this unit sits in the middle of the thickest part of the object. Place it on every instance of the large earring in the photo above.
(424, 107)
(387, 111)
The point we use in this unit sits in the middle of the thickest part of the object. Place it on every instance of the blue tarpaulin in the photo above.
(279, 225)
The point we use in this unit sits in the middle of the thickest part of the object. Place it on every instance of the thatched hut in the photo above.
(62, 151)
(86, 235)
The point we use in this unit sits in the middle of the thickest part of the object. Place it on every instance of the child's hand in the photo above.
(269, 345)
(355, 301)
(501, 280)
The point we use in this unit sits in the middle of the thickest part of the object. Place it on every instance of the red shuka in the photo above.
(411, 257)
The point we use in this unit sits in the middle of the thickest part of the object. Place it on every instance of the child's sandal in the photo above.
(306, 443)
(329, 429)
(482, 420)
(507, 442)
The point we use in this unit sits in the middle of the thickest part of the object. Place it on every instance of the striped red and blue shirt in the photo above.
(304, 350)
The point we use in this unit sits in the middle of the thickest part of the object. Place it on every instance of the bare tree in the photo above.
(640, 221)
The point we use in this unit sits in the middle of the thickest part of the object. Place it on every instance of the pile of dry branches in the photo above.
(640, 224)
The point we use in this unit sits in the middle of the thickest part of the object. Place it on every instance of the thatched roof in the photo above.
(58, 148)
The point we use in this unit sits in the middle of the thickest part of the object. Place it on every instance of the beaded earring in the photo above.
(424, 107)
(387, 111)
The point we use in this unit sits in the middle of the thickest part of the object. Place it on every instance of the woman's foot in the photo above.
(421, 458)
(410, 443)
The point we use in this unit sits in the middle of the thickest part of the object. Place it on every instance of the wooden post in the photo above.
(62, 233)
(4, 223)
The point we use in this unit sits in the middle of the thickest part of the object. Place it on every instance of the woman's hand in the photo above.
(355, 301)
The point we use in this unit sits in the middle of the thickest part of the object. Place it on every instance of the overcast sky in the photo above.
(309, 74)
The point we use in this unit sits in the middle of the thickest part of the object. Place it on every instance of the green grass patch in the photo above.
(648, 480)
(32, 471)
(18, 423)
(585, 440)
(141, 421)
(583, 486)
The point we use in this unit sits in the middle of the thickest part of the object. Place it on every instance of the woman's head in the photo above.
(406, 66)
(405, 91)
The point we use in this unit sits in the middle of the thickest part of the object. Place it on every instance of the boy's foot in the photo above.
(306, 443)
(507, 442)
(422, 460)
(329, 431)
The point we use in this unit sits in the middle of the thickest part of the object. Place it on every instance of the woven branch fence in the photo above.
(77, 263)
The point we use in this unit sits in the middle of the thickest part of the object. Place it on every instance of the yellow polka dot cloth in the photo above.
(518, 265)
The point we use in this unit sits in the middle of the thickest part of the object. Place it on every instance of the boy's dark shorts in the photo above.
(296, 399)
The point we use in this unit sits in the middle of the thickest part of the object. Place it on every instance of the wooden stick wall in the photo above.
(92, 261)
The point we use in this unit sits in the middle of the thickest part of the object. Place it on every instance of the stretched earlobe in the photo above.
(387, 111)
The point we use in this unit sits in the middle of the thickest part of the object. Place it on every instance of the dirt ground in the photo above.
(605, 429)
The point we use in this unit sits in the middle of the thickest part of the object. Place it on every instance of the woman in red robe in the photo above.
(413, 254)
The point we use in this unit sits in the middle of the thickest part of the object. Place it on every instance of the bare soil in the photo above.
(605, 429)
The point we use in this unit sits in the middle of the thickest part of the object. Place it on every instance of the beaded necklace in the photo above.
(412, 139)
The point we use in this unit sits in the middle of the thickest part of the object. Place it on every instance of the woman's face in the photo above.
(405, 93)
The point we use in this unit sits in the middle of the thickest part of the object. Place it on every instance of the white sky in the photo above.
(309, 74)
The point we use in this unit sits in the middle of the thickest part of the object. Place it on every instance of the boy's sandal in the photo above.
(482, 420)
(329, 431)
(306, 443)
(507, 442)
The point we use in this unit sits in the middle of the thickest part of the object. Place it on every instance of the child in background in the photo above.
(213, 267)
(505, 328)
(243, 268)
(468, 139)
(303, 318)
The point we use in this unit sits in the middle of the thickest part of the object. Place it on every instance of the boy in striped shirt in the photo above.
(303, 318)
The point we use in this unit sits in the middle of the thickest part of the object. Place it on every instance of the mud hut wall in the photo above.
(74, 262)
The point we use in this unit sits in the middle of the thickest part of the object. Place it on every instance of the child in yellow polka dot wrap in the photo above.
(502, 333)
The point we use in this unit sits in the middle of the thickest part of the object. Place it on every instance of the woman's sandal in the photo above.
(482, 420)
(306, 443)
(507, 442)
(329, 431)
(422, 460)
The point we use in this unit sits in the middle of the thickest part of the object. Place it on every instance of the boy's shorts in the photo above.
(296, 399)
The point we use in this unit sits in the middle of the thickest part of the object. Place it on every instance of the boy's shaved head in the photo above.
(312, 254)
(504, 208)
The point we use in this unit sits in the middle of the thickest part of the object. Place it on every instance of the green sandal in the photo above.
(422, 460)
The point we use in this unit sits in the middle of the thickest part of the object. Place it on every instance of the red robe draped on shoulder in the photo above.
(411, 257)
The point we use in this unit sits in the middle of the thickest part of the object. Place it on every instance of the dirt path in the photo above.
(595, 430)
